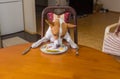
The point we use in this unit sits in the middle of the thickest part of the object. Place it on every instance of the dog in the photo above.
(57, 31)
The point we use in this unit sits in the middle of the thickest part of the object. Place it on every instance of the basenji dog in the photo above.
(57, 31)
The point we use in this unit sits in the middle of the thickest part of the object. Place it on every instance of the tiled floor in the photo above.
(26, 36)
(91, 29)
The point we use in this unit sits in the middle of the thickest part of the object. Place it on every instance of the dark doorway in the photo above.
(39, 5)
(82, 6)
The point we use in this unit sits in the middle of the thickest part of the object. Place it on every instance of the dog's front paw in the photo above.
(74, 46)
(34, 45)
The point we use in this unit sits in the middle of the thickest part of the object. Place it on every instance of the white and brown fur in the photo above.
(57, 31)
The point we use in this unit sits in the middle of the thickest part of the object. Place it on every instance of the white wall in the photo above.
(112, 5)
(29, 16)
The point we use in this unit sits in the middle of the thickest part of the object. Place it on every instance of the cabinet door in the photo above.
(11, 17)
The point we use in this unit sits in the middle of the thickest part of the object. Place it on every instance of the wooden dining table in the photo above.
(89, 64)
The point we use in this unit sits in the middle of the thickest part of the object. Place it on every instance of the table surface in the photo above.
(90, 64)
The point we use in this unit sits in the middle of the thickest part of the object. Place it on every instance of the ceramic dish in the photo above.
(47, 48)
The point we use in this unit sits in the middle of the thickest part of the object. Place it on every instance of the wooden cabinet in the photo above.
(11, 16)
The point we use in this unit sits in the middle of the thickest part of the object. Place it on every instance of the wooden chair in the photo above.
(51, 9)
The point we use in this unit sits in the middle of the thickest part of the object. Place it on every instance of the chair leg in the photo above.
(1, 43)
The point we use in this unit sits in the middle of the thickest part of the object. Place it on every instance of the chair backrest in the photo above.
(51, 9)
(111, 41)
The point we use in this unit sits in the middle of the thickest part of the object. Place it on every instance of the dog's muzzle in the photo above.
(57, 43)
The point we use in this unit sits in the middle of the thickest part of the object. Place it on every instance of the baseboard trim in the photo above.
(114, 12)
(11, 33)
(30, 32)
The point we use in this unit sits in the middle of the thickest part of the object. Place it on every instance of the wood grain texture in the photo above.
(90, 64)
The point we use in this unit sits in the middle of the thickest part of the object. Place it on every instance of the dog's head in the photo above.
(59, 29)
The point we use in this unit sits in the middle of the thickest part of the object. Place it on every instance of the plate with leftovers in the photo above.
(49, 49)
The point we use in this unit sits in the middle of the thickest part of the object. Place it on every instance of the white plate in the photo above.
(45, 49)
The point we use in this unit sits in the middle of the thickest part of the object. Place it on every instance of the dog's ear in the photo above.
(51, 24)
(70, 25)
